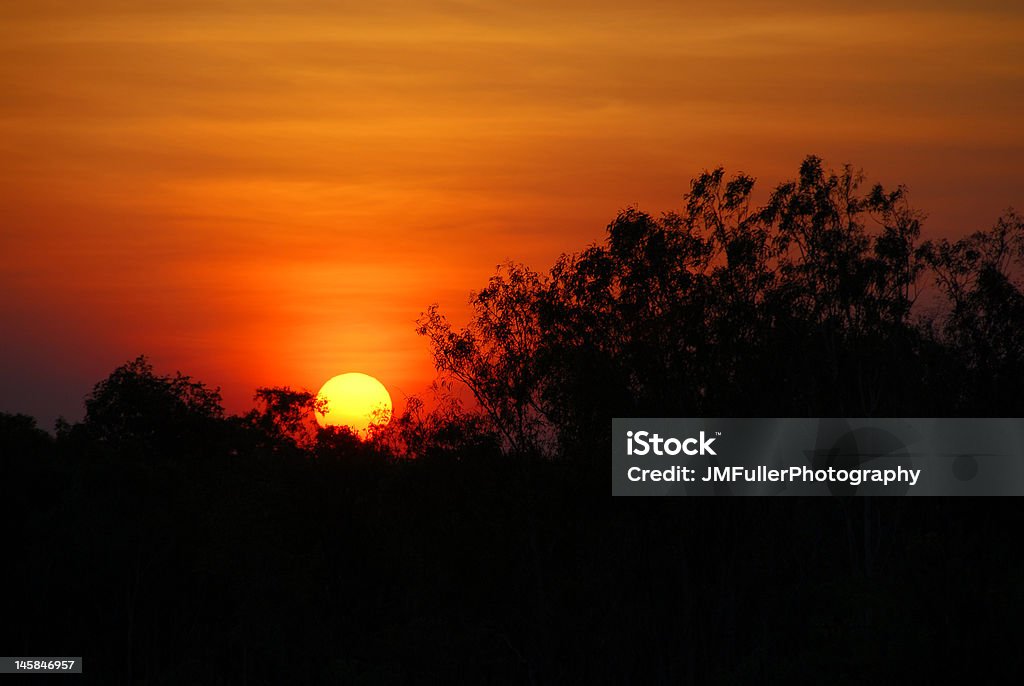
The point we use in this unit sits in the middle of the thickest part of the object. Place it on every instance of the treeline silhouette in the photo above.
(168, 542)
(804, 306)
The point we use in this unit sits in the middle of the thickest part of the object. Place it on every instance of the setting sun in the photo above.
(354, 400)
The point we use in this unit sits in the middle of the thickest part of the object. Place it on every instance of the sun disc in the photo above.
(354, 400)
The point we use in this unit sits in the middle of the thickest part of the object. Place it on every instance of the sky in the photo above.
(269, 193)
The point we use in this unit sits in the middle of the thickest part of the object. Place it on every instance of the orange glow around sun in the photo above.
(262, 193)
(355, 400)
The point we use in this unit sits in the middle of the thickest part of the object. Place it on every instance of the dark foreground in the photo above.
(492, 570)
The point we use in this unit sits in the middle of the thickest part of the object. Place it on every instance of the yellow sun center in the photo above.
(354, 400)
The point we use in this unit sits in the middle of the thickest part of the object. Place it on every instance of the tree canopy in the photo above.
(802, 306)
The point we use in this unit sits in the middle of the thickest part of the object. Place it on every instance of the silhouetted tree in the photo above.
(495, 356)
(844, 292)
(801, 307)
(21, 439)
(135, 410)
(445, 430)
(286, 418)
(984, 326)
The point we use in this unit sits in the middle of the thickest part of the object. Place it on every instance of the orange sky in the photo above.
(270, 192)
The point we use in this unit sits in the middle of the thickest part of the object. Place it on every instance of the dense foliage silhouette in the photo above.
(804, 306)
(168, 542)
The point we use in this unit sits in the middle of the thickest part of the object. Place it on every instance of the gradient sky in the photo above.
(269, 192)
